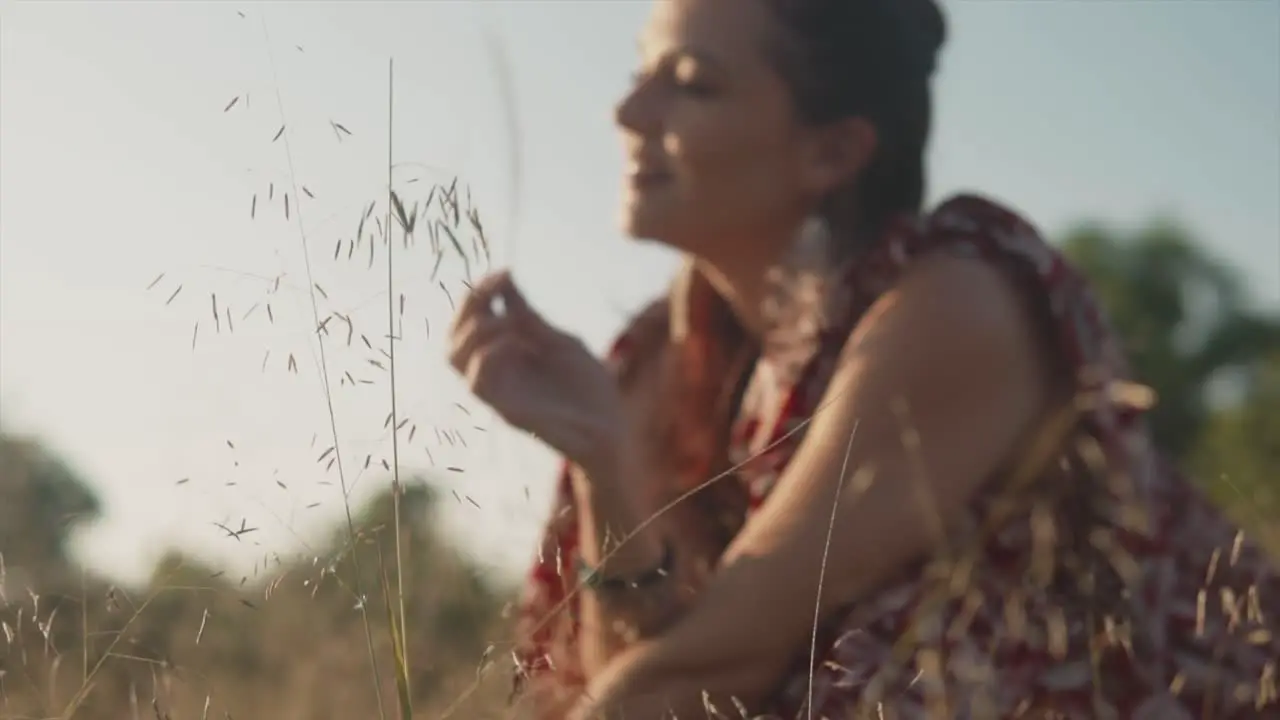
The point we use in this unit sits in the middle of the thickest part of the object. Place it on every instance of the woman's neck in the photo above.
(747, 282)
(744, 286)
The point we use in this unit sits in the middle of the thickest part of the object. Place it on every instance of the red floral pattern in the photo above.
(1109, 589)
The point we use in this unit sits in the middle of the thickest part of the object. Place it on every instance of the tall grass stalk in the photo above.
(121, 654)
(357, 581)
(397, 621)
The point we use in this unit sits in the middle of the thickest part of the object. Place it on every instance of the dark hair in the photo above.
(842, 59)
(874, 59)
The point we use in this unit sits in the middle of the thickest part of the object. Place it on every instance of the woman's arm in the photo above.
(868, 491)
(624, 500)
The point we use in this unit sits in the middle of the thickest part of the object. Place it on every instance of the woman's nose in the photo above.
(636, 111)
(624, 113)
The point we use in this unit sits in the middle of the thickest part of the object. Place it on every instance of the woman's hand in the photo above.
(538, 378)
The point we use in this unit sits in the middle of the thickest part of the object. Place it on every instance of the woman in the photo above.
(932, 494)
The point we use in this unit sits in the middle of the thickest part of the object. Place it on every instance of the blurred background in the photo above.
(196, 519)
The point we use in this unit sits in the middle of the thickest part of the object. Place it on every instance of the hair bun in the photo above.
(927, 28)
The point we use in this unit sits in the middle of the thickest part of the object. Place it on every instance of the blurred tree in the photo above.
(42, 500)
(1184, 318)
(292, 641)
(1240, 452)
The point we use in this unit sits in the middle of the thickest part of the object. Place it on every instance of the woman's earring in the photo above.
(796, 308)
(814, 241)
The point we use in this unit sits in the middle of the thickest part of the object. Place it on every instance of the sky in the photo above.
(118, 163)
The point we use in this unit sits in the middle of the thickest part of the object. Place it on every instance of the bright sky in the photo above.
(120, 164)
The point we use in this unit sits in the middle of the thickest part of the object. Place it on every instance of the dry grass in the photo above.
(304, 638)
(286, 642)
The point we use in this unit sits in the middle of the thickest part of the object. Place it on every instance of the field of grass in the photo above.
(387, 620)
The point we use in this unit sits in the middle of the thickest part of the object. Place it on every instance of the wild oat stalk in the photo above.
(87, 685)
(396, 620)
(325, 384)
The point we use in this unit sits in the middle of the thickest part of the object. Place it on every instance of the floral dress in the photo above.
(1101, 585)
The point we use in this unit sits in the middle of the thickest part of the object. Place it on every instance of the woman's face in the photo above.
(718, 161)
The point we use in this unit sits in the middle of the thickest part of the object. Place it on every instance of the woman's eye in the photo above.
(679, 77)
(696, 88)
(689, 79)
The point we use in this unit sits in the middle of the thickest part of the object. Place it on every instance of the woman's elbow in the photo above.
(747, 677)
(745, 685)
(731, 676)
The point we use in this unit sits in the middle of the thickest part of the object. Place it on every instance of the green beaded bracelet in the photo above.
(591, 578)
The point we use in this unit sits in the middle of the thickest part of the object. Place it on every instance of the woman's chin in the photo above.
(649, 218)
(641, 225)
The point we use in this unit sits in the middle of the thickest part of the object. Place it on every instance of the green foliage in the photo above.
(41, 501)
(1187, 326)
(1240, 452)
(1183, 318)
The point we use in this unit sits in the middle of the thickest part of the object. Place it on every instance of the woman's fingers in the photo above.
(496, 299)
(476, 321)
(483, 343)
(497, 373)
(500, 296)
(515, 303)
(479, 303)
(477, 333)
(528, 319)
(473, 334)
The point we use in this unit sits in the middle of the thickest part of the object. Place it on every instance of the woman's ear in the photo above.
(837, 153)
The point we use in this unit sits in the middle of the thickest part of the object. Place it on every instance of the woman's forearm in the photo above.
(646, 681)
(624, 534)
